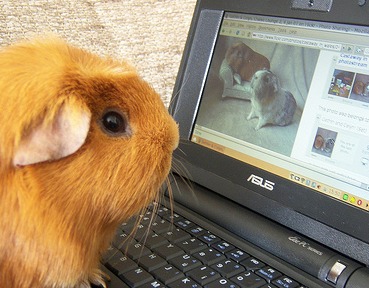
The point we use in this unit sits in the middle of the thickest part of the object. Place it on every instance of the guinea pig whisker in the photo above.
(128, 240)
(108, 255)
(179, 168)
(133, 238)
(170, 195)
(145, 219)
(184, 175)
(176, 95)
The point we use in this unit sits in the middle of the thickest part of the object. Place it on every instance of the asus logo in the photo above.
(257, 180)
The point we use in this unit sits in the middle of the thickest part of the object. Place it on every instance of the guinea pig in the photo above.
(84, 144)
(359, 88)
(244, 61)
(270, 102)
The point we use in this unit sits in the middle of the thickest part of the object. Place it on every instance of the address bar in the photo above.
(297, 41)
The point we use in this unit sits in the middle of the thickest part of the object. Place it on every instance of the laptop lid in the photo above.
(301, 156)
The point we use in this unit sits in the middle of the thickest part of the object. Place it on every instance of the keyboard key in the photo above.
(185, 282)
(162, 211)
(196, 231)
(120, 263)
(252, 264)
(122, 239)
(168, 251)
(185, 262)
(161, 226)
(154, 240)
(203, 275)
(191, 245)
(111, 280)
(136, 250)
(184, 224)
(268, 286)
(109, 254)
(128, 225)
(268, 273)
(237, 255)
(168, 274)
(172, 217)
(209, 238)
(153, 284)
(147, 218)
(223, 246)
(151, 262)
(228, 268)
(136, 277)
(222, 283)
(249, 280)
(285, 282)
(209, 256)
(140, 232)
(176, 235)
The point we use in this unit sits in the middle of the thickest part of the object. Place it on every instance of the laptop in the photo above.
(270, 183)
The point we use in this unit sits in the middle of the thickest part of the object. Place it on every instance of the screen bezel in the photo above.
(209, 168)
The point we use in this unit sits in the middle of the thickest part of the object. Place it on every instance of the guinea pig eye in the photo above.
(115, 123)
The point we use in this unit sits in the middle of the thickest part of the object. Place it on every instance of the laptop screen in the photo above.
(291, 97)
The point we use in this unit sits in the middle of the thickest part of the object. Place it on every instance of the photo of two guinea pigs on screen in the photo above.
(275, 77)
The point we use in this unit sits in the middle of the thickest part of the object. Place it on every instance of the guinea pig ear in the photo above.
(274, 82)
(56, 138)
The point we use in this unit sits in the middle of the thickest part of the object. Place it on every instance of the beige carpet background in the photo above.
(150, 34)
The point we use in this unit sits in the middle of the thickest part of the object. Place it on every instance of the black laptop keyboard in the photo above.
(168, 250)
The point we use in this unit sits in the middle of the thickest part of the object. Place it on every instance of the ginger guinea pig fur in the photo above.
(84, 144)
